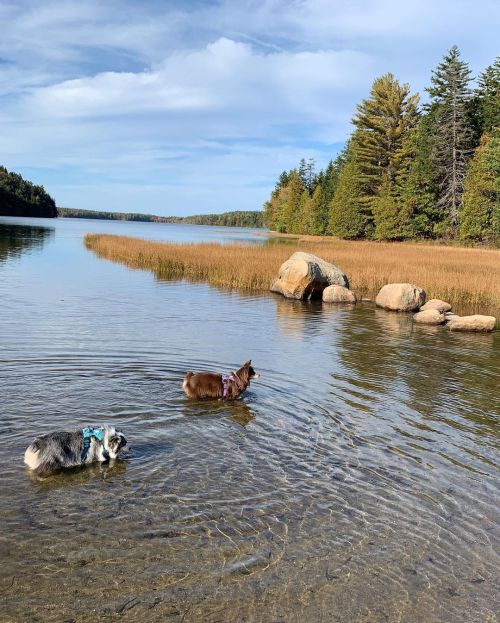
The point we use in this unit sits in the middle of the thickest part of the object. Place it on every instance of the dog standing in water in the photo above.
(224, 386)
(54, 452)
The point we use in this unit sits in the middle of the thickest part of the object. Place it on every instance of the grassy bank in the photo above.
(468, 278)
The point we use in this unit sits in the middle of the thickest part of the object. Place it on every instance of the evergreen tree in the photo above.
(417, 186)
(316, 225)
(382, 121)
(347, 215)
(386, 212)
(451, 132)
(480, 216)
(291, 208)
(485, 104)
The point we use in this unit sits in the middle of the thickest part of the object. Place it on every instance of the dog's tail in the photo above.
(31, 456)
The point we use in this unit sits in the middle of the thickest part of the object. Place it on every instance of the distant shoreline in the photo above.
(238, 218)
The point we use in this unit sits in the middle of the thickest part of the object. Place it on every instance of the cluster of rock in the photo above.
(406, 297)
(304, 276)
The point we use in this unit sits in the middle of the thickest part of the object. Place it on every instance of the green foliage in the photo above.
(452, 135)
(382, 121)
(480, 216)
(484, 110)
(401, 175)
(347, 218)
(226, 219)
(19, 197)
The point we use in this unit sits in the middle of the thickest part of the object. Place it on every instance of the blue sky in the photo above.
(191, 107)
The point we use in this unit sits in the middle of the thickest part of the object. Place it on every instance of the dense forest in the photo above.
(18, 197)
(226, 219)
(408, 171)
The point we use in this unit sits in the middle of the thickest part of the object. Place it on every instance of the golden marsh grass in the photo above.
(469, 278)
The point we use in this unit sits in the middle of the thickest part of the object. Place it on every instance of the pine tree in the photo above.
(480, 216)
(382, 121)
(417, 185)
(451, 132)
(485, 104)
(316, 212)
(291, 208)
(386, 212)
(347, 215)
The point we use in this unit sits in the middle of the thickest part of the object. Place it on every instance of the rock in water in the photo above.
(472, 323)
(429, 316)
(305, 276)
(338, 294)
(400, 297)
(438, 304)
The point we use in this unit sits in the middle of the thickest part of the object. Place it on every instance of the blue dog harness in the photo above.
(89, 432)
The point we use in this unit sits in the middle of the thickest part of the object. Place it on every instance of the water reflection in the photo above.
(357, 476)
(18, 239)
(237, 411)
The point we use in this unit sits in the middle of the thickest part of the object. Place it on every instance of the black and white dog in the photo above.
(54, 452)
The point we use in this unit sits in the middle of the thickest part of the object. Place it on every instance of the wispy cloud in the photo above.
(205, 101)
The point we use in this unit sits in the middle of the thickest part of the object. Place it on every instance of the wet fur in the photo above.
(54, 452)
(208, 385)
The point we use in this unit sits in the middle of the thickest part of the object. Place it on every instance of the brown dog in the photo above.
(224, 386)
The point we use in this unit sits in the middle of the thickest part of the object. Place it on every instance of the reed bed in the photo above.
(469, 278)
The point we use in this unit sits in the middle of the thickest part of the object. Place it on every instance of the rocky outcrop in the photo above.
(338, 294)
(438, 304)
(429, 316)
(400, 297)
(472, 323)
(305, 276)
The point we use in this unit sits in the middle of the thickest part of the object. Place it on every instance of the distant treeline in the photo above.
(18, 197)
(407, 171)
(226, 219)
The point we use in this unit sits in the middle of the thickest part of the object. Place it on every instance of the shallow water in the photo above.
(356, 481)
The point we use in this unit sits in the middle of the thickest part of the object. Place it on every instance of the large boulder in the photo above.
(438, 304)
(400, 297)
(429, 316)
(305, 276)
(338, 294)
(472, 323)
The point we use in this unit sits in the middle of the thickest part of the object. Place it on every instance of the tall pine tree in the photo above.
(382, 122)
(451, 133)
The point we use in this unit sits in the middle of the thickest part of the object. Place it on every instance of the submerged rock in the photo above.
(338, 294)
(400, 297)
(476, 322)
(429, 316)
(438, 304)
(305, 276)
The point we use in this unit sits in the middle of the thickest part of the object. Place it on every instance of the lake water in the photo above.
(357, 481)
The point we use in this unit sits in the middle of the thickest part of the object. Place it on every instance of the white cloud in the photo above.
(205, 97)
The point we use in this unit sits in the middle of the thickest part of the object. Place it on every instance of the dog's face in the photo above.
(251, 372)
(114, 442)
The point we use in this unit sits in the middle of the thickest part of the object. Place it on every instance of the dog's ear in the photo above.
(247, 364)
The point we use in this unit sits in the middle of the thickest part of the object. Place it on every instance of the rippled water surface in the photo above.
(356, 481)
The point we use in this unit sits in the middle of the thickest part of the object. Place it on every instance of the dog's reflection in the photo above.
(80, 475)
(237, 410)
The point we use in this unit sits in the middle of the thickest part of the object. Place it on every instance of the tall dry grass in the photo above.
(469, 278)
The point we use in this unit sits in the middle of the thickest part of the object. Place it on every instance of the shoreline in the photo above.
(466, 277)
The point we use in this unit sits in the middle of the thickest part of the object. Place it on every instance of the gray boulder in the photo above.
(338, 294)
(305, 276)
(400, 297)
